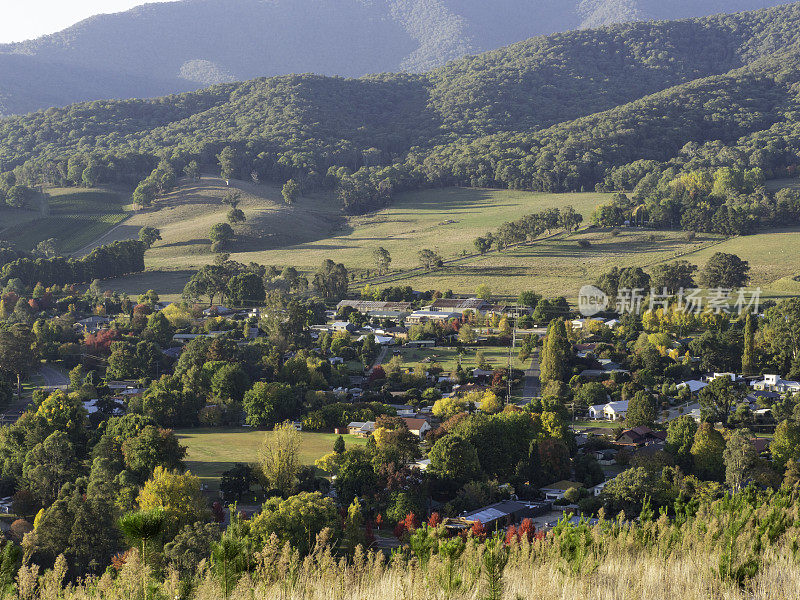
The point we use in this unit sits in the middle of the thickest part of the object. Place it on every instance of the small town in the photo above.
(400, 299)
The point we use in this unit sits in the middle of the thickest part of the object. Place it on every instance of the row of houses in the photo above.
(443, 309)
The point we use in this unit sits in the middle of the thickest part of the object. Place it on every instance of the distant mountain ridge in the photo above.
(164, 48)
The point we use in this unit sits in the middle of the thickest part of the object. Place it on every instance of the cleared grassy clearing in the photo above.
(210, 452)
(312, 230)
(186, 216)
(445, 220)
(75, 217)
(11, 217)
(168, 284)
(774, 258)
(559, 266)
(447, 357)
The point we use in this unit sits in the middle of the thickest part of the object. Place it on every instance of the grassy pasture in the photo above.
(210, 452)
(559, 266)
(74, 216)
(312, 230)
(12, 217)
(445, 220)
(186, 216)
(774, 258)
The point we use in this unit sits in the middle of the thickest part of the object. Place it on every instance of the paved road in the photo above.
(532, 386)
(380, 358)
(54, 379)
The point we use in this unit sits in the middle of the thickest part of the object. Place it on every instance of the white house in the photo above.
(556, 491)
(361, 428)
(732, 376)
(613, 411)
(774, 383)
(596, 411)
(381, 340)
(694, 385)
(418, 427)
(422, 464)
(598, 489)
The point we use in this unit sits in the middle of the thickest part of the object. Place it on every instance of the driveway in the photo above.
(679, 411)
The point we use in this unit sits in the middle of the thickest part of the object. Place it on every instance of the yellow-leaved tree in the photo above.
(177, 493)
(279, 458)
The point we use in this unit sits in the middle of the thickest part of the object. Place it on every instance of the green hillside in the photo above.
(444, 220)
(300, 126)
(170, 47)
(652, 109)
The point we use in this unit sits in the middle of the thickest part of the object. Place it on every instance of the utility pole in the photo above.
(515, 315)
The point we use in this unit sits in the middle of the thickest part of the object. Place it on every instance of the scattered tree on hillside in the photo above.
(429, 259)
(382, 259)
(235, 216)
(221, 235)
(228, 163)
(290, 192)
(726, 271)
(482, 244)
(673, 276)
(149, 235)
(192, 170)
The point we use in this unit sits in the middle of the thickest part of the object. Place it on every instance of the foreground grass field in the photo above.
(211, 452)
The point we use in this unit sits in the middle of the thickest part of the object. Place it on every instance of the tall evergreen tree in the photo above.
(748, 356)
(555, 353)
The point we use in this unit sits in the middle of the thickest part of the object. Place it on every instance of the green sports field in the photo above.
(210, 452)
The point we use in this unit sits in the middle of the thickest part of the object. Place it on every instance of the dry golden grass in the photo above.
(611, 561)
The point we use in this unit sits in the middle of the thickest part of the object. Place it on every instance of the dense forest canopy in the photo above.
(178, 46)
(567, 112)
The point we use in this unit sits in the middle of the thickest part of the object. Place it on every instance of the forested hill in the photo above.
(565, 112)
(172, 47)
